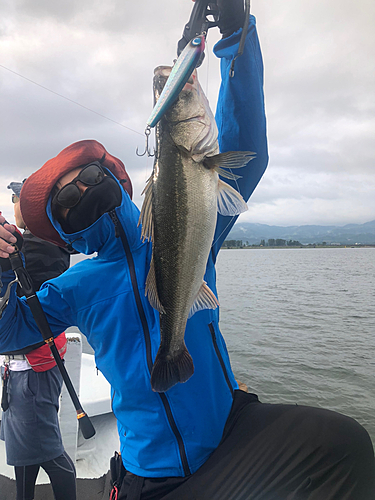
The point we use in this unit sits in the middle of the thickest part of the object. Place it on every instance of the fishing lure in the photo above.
(180, 74)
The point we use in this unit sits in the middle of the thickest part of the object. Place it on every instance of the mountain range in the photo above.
(350, 234)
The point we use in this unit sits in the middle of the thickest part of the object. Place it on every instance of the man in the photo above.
(203, 439)
(30, 426)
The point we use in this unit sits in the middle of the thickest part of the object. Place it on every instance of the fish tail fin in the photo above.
(168, 371)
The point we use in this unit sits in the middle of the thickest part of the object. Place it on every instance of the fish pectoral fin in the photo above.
(151, 289)
(145, 217)
(230, 159)
(227, 175)
(229, 201)
(204, 300)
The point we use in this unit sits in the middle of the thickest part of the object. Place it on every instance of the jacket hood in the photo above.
(101, 236)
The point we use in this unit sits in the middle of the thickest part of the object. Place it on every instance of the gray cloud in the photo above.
(319, 79)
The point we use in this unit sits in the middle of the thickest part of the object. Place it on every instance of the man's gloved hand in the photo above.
(232, 16)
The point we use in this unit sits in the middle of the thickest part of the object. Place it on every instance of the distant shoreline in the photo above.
(294, 247)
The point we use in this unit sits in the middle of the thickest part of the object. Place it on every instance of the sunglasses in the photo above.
(15, 198)
(70, 195)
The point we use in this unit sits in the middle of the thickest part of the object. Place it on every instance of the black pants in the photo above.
(275, 452)
(61, 472)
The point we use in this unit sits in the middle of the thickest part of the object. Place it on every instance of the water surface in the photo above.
(300, 325)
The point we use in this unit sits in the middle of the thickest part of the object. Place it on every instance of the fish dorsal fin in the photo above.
(204, 300)
(151, 290)
(229, 201)
(230, 159)
(145, 217)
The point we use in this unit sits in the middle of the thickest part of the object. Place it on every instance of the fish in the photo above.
(179, 75)
(182, 198)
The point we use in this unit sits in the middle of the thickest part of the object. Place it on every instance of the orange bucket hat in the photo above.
(38, 186)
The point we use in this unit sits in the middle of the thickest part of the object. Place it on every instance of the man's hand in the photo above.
(6, 237)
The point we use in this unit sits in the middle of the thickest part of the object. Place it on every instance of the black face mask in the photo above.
(95, 201)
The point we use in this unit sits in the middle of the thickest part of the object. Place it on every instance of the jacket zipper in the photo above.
(119, 231)
(221, 361)
(115, 221)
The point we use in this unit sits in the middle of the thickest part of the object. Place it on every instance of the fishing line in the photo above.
(231, 74)
(71, 100)
(238, 189)
(219, 236)
(233, 216)
(208, 67)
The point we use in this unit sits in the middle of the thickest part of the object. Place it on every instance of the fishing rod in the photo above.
(25, 283)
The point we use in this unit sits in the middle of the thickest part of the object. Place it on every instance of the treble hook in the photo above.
(147, 150)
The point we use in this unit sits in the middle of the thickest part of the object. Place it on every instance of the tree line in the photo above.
(272, 242)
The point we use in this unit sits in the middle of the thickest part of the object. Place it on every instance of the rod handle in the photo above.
(85, 425)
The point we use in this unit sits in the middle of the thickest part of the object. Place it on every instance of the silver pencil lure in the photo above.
(180, 74)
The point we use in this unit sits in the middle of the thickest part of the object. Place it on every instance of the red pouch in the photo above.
(41, 359)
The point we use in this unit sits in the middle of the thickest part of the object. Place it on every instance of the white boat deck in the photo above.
(95, 392)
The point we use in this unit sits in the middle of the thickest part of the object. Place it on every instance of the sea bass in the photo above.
(179, 212)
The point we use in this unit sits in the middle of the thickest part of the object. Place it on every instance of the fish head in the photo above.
(189, 121)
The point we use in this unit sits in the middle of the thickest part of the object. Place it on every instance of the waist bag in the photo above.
(42, 359)
(118, 473)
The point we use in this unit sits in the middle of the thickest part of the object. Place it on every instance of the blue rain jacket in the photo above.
(172, 433)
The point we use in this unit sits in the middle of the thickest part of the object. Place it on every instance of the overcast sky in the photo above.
(319, 59)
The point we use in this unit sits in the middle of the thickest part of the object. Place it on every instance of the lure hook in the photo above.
(147, 149)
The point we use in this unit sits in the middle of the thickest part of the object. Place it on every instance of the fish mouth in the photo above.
(198, 118)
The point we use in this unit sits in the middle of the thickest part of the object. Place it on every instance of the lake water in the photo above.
(300, 325)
